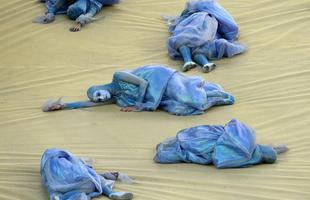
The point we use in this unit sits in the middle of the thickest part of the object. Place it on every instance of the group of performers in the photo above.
(203, 31)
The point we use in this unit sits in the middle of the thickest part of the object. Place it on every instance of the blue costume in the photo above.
(67, 177)
(167, 89)
(207, 30)
(229, 146)
(82, 11)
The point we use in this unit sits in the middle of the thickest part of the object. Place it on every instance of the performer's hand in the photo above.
(76, 28)
(52, 105)
(56, 107)
(128, 109)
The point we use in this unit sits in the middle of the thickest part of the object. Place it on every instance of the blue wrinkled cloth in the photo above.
(229, 146)
(168, 90)
(67, 177)
(207, 28)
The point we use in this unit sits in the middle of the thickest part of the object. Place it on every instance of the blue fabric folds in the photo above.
(168, 90)
(67, 177)
(64, 6)
(178, 93)
(229, 146)
(207, 28)
(158, 77)
(192, 95)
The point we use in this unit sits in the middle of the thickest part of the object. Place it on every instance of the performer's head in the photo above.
(96, 93)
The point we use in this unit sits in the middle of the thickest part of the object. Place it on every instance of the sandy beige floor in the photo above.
(270, 82)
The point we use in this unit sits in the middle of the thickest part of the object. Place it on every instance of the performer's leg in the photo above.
(203, 61)
(187, 57)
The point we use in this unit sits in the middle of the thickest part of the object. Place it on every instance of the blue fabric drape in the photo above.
(67, 177)
(207, 28)
(229, 146)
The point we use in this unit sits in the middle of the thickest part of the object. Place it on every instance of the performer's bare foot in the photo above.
(76, 28)
(128, 109)
(280, 148)
(45, 19)
(188, 65)
(208, 67)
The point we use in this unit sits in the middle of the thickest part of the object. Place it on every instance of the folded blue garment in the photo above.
(207, 28)
(229, 146)
(67, 177)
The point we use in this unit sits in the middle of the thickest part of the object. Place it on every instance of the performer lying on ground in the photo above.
(82, 11)
(153, 87)
(68, 177)
(204, 30)
(229, 146)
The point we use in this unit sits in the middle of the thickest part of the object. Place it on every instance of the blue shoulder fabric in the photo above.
(227, 27)
(227, 146)
(157, 77)
(67, 177)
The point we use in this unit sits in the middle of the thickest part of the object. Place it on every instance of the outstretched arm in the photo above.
(133, 79)
(53, 105)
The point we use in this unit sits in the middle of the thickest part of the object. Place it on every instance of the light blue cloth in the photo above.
(205, 27)
(67, 177)
(229, 146)
(168, 90)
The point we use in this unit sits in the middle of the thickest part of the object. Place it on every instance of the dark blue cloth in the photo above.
(229, 146)
(74, 6)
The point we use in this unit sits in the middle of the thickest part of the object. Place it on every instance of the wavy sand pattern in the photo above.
(270, 82)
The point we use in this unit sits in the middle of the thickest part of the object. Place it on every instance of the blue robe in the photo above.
(67, 177)
(207, 28)
(229, 146)
(168, 90)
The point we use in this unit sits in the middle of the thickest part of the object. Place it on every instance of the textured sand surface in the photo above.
(270, 82)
